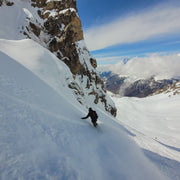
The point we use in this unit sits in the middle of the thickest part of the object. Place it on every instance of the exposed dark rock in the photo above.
(38, 3)
(8, 3)
(93, 63)
(36, 30)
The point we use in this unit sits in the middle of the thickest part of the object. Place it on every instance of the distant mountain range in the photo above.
(171, 90)
(128, 86)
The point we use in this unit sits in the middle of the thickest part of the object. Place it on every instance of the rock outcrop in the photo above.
(8, 3)
(55, 24)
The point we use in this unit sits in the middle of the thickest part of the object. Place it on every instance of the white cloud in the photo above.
(162, 67)
(158, 21)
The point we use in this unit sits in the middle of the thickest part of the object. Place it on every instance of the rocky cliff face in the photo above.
(63, 26)
(55, 25)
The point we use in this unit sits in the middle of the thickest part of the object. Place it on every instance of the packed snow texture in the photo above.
(155, 123)
(42, 135)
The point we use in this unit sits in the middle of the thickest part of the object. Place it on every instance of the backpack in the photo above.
(95, 114)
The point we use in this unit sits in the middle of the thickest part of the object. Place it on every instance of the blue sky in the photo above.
(130, 28)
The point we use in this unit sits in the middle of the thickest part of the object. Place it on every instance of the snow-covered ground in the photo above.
(155, 123)
(42, 135)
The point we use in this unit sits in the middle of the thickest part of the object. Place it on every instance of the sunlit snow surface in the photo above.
(42, 135)
(155, 123)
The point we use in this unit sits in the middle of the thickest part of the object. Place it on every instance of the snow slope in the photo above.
(39, 61)
(155, 123)
(41, 133)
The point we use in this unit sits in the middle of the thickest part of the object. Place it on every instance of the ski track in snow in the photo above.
(149, 119)
(31, 139)
(170, 147)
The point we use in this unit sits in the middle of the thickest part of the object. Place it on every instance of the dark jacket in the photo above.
(93, 115)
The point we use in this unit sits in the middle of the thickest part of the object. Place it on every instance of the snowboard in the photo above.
(95, 124)
(92, 124)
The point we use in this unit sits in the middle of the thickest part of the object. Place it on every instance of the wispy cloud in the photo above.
(110, 59)
(157, 21)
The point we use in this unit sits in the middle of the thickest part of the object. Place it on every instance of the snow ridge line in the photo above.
(33, 106)
(167, 147)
